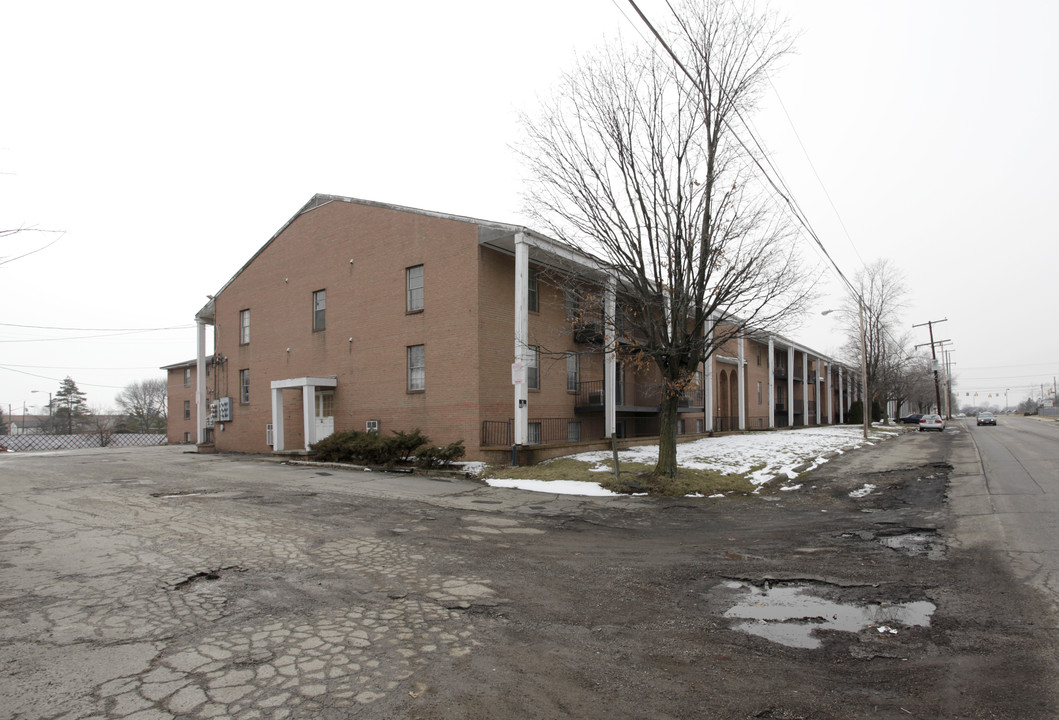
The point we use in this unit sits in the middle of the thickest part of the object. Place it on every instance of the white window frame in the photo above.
(533, 369)
(244, 386)
(187, 377)
(573, 372)
(414, 278)
(319, 310)
(417, 368)
(533, 434)
(244, 327)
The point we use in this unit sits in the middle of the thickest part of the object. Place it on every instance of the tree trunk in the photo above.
(667, 433)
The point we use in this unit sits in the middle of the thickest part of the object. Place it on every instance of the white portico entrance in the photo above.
(317, 409)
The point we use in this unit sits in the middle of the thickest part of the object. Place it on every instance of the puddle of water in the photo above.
(790, 615)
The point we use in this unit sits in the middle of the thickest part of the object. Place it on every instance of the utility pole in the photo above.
(934, 356)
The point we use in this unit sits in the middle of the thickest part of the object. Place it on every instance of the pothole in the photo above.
(925, 543)
(205, 575)
(792, 615)
(916, 542)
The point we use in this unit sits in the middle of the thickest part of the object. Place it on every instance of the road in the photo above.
(1020, 464)
(154, 584)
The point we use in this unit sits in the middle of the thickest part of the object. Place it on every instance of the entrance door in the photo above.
(325, 413)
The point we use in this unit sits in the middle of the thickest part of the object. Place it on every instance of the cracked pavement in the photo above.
(153, 583)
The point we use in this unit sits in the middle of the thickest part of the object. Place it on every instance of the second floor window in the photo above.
(320, 310)
(187, 377)
(414, 283)
(244, 327)
(533, 371)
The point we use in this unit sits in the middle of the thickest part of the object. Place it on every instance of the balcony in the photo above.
(633, 397)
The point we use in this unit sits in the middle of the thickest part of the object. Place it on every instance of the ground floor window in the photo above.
(534, 435)
(573, 432)
(680, 426)
(699, 426)
(187, 409)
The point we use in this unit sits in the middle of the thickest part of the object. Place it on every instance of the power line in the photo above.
(84, 329)
(59, 380)
(777, 182)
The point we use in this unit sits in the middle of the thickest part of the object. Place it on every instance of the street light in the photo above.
(865, 402)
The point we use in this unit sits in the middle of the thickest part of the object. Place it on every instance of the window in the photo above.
(414, 283)
(187, 437)
(187, 377)
(534, 295)
(698, 426)
(758, 392)
(533, 371)
(244, 386)
(244, 327)
(572, 372)
(187, 409)
(573, 431)
(759, 355)
(534, 434)
(319, 310)
(417, 368)
(680, 426)
(573, 305)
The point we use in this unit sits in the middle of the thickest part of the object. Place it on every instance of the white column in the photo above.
(841, 398)
(790, 386)
(772, 382)
(741, 374)
(277, 420)
(830, 397)
(610, 362)
(805, 388)
(522, 350)
(200, 382)
(816, 391)
(707, 381)
(308, 414)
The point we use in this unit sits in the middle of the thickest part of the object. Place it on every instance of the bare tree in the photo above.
(636, 163)
(144, 402)
(882, 288)
(103, 422)
(4, 259)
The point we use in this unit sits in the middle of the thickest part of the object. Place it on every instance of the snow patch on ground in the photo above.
(765, 455)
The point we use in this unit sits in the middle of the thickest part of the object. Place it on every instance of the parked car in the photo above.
(932, 422)
(986, 418)
(912, 419)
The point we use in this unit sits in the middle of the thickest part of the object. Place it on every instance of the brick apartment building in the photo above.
(180, 395)
(359, 314)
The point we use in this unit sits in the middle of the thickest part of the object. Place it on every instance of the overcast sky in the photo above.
(168, 142)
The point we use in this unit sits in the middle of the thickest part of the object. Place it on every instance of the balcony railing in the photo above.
(591, 395)
(542, 431)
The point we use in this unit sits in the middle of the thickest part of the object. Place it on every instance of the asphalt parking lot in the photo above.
(155, 583)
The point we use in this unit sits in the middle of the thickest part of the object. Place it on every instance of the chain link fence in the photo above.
(81, 441)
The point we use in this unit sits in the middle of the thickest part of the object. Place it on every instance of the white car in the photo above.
(932, 422)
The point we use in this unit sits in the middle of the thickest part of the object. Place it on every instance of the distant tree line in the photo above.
(141, 408)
